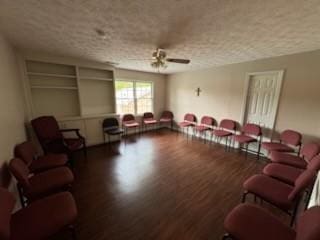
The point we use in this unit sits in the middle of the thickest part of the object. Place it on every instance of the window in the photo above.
(134, 96)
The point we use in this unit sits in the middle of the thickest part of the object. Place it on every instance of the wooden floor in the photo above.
(158, 186)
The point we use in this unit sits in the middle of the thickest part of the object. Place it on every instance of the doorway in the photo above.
(262, 95)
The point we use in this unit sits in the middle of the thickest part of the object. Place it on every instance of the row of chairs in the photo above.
(283, 183)
(289, 141)
(44, 184)
(112, 127)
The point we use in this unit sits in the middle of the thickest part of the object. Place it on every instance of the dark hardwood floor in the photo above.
(158, 186)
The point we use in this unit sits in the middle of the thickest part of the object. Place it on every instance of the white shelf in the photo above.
(96, 78)
(54, 87)
(51, 75)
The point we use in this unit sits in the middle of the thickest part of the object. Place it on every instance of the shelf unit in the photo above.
(66, 90)
(97, 91)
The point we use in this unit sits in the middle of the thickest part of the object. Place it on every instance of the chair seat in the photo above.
(74, 143)
(250, 222)
(222, 133)
(114, 131)
(186, 124)
(274, 146)
(282, 172)
(130, 124)
(201, 128)
(149, 121)
(44, 218)
(269, 189)
(48, 161)
(244, 138)
(165, 120)
(288, 159)
(48, 182)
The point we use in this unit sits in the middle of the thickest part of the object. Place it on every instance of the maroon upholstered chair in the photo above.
(225, 130)
(308, 151)
(289, 140)
(27, 152)
(289, 174)
(148, 120)
(250, 133)
(206, 124)
(250, 222)
(129, 122)
(284, 173)
(166, 118)
(40, 220)
(36, 186)
(277, 193)
(189, 120)
(51, 137)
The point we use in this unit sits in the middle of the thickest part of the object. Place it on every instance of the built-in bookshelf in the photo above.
(97, 91)
(66, 90)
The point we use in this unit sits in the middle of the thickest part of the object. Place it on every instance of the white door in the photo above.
(262, 99)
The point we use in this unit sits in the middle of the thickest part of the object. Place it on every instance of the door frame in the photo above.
(280, 74)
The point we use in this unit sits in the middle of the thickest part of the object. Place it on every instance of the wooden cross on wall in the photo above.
(198, 91)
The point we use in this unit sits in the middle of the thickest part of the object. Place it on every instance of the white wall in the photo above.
(12, 113)
(223, 91)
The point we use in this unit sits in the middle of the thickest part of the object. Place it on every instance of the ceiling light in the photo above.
(101, 33)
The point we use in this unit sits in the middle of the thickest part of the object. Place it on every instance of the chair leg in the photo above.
(294, 213)
(247, 145)
(244, 196)
(85, 149)
(21, 196)
(73, 232)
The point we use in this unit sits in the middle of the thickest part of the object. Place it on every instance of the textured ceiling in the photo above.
(209, 32)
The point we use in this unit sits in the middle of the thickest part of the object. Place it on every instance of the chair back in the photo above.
(46, 128)
(291, 137)
(25, 151)
(167, 114)
(309, 150)
(228, 124)
(304, 180)
(314, 163)
(6, 207)
(252, 129)
(207, 120)
(148, 115)
(20, 171)
(128, 117)
(110, 123)
(190, 117)
(308, 224)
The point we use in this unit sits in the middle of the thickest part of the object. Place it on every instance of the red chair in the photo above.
(225, 130)
(279, 194)
(148, 120)
(189, 120)
(40, 220)
(27, 152)
(129, 122)
(39, 185)
(52, 140)
(250, 222)
(308, 151)
(250, 133)
(289, 174)
(166, 118)
(205, 125)
(289, 140)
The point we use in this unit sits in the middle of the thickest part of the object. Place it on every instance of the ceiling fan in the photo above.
(159, 59)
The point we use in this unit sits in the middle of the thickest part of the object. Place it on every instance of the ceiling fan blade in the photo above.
(145, 59)
(177, 60)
